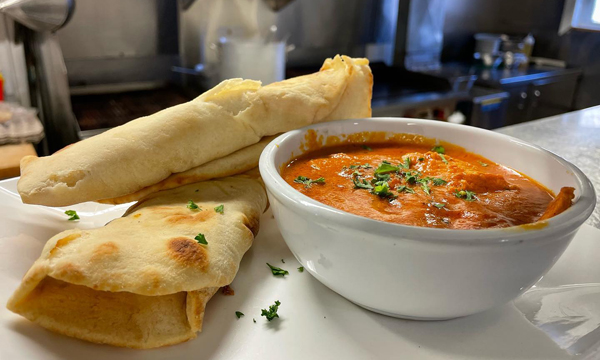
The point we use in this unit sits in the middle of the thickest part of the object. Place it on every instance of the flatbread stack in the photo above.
(233, 115)
(143, 280)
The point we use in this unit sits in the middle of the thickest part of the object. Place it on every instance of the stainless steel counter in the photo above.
(575, 136)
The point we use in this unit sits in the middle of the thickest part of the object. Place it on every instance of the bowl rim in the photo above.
(568, 220)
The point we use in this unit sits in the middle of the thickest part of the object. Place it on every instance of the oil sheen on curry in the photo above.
(421, 183)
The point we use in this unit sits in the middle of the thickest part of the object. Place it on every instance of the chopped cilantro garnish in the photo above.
(439, 205)
(438, 181)
(439, 149)
(406, 164)
(356, 166)
(192, 205)
(380, 177)
(72, 215)
(239, 314)
(360, 183)
(421, 159)
(283, 261)
(308, 182)
(444, 159)
(483, 164)
(367, 148)
(382, 189)
(386, 168)
(220, 209)
(465, 194)
(301, 269)
(272, 312)
(404, 188)
(411, 177)
(278, 271)
(254, 320)
(424, 185)
(201, 239)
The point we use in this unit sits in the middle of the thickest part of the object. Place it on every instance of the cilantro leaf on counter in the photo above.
(192, 205)
(220, 209)
(278, 271)
(308, 182)
(272, 312)
(72, 215)
(239, 314)
(465, 195)
(301, 269)
(201, 239)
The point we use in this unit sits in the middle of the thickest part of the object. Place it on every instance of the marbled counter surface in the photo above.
(575, 136)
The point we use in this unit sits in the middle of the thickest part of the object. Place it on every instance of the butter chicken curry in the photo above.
(421, 184)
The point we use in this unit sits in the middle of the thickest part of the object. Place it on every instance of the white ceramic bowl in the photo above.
(416, 272)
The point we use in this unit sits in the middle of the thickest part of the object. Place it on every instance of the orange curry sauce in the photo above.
(448, 188)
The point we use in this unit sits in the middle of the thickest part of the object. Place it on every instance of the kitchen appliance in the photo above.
(487, 48)
(252, 59)
(39, 15)
(36, 22)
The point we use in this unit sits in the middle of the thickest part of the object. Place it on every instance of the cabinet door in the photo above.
(518, 104)
(551, 96)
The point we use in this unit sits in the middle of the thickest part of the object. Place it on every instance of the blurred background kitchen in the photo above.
(74, 68)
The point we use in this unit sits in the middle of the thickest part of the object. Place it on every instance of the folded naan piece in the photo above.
(143, 280)
(233, 115)
(238, 162)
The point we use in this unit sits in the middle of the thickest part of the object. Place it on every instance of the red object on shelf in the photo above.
(1, 88)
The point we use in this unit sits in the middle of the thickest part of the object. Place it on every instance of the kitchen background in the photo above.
(107, 62)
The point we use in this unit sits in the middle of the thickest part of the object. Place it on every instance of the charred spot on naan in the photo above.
(71, 273)
(63, 242)
(192, 218)
(105, 250)
(188, 252)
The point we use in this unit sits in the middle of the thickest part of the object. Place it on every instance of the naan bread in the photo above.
(240, 161)
(142, 281)
(233, 115)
